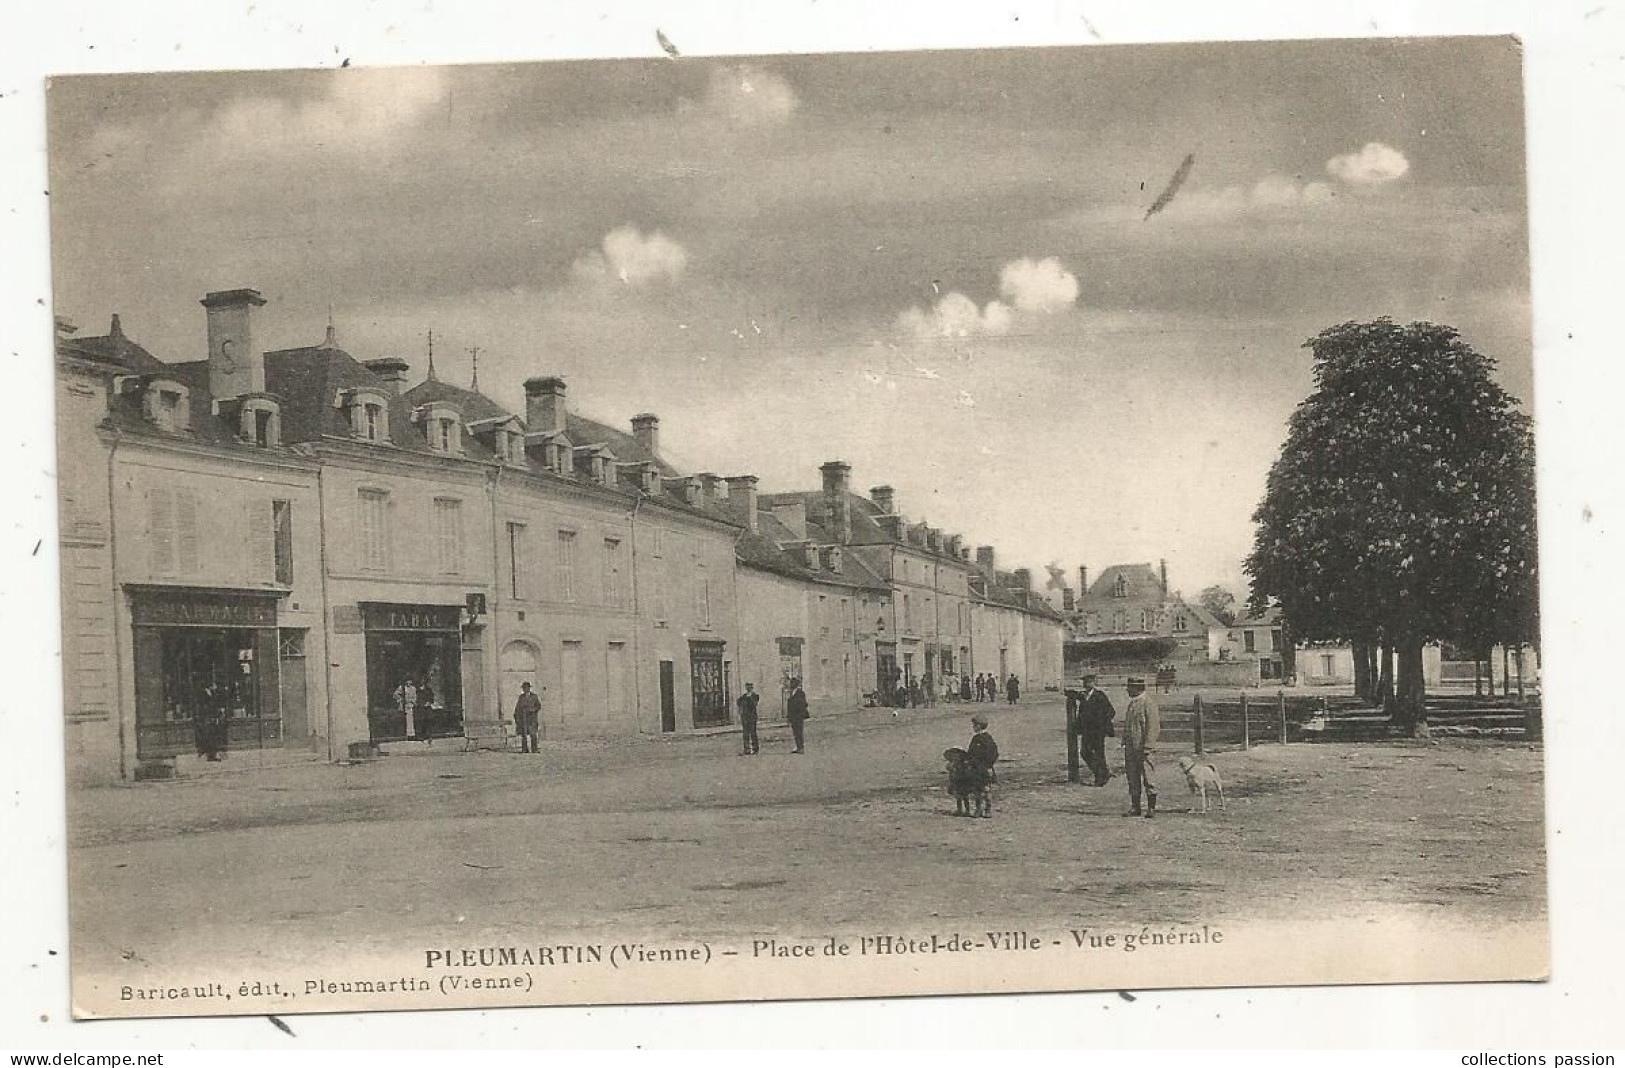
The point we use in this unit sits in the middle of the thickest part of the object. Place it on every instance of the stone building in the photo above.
(1134, 601)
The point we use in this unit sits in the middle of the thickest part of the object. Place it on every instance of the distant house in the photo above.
(1133, 601)
(1255, 636)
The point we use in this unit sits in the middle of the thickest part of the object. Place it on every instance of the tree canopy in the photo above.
(1220, 601)
(1402, 506)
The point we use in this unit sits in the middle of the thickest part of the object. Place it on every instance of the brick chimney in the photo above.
(883, 497)
(1022, 577)
(1083, 581)
(1162, 567)
(544, 404)
(646, 429)
(236, 365)
(836, 476)
(984, 558)
(742, 496)
(391, 370)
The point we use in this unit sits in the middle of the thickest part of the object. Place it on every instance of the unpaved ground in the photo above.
(685, 838)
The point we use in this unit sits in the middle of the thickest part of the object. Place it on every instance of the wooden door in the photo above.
(668, 697)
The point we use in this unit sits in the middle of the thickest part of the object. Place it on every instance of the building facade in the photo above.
(293, 553)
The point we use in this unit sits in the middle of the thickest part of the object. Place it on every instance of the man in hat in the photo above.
(527, 715)
(1140, 729)
(748, 703)
(1095, 716)
(796, 712)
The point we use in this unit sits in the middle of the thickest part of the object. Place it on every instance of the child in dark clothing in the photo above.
(981, 755)
(961, 779)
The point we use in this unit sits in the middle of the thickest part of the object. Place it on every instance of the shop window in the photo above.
(448, 526)
(372, 526)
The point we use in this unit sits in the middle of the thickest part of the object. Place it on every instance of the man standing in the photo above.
(982, 754)
(747, 720)
(1012, 689)
(527, 714)
(796, 713)
(1140, 729)
(1095, 715)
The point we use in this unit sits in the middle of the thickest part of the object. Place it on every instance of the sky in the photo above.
(936, 266)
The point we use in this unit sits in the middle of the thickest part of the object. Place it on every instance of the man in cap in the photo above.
(748, 703)
(1140, 729)
(1095, 716)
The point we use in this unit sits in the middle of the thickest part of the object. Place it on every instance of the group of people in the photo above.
(1092, 717)
(795, 711)
(415, 701)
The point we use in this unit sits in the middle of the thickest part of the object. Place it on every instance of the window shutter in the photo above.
(186, 531)
(161, 529)
(259, 526)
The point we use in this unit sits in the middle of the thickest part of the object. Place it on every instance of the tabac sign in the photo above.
(201, 610)
(411, 616)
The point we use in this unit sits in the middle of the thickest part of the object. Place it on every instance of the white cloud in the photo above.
(630, 257)
(956, 316)
(1038, 285)
(362, 110)
(1273, 192)
(1374, 164)
(745, 97)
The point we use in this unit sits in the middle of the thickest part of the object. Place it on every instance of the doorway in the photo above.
(705, 670)
(668, 697)
(520, 662)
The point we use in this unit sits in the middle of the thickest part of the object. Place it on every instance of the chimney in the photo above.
(646, 429)
(236, 366)
(984, 558)
(883, 497)
(649, 479)
(711, 488)
(933, 539)
(1022, 578)
(1069, 600)
(742, 495)
(950, 545)
(809, 554)
(544, 404)
(1083, 581)
(391, 370)
(1163, 569)
(836, 474)
(693, 491)
(891, 524)
(832, 558)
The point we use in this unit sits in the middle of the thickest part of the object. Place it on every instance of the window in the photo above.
(282, 535)
(374, 426)
(262, 428)
(1120, 587)
(516, 560)
(1326, 664)
(657, 595)
(823, 616)
(1275, 639)
(1248, 641)
(908, 613)
(169, 409)
(614, 588)
(702, 600)
(1145, 619)
(566, 565)
(448, 530)
(172, 530)
(1179, 623)
(371, 524)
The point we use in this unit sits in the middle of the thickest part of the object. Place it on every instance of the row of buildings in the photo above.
(287, 539)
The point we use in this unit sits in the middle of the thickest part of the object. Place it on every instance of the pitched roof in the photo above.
(1140, 580)
(111, 349)
(761, 551)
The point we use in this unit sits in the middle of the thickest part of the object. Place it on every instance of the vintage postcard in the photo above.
(692, 529)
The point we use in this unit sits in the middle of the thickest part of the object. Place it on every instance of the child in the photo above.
(981, 755)
(961, 780)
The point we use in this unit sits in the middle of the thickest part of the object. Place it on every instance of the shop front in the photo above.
(206, 671)
(414, 671)
(706, 677)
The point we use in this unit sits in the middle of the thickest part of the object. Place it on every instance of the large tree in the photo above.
(1402, 508)
(1220, 602)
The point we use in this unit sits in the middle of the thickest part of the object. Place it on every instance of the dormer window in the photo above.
(1120, 588)
(169, 406)
(368, 413)
(260, 421)
(442, 427)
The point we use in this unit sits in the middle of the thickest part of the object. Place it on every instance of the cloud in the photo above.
(1038, 285)
(1375, 164)
(956, 316)
(629, 257)
(743, 96)
(1271, 193)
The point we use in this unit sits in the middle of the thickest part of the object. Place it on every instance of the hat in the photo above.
(1136, 680)
(1090, 676)
(978, 721)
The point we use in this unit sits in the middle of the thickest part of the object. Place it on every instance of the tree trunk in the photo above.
(1519, 663)
(1506, 674)
(1411, 695)
(1362, 671)
(1478, 674)
(1385, 676)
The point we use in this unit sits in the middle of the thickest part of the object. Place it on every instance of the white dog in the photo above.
(1199, 777)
